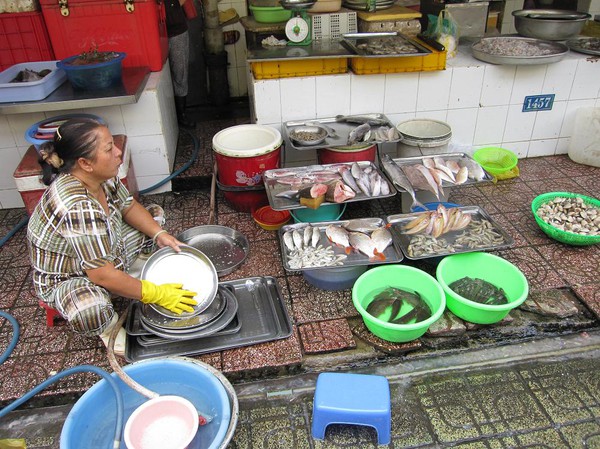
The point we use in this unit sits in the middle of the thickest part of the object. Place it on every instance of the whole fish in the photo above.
(316, 237)
(440, 164)
(298, 239)
(461, 175)
(453, 166)
(364, 183)
(364, 225)
(289, 241)
(307, 237)
(475, 171)
(339, 236)
(358, 134)
(374, 183)
(432, 185)
(399, 178)
(363, 243)
(348, 178)
(382, 238)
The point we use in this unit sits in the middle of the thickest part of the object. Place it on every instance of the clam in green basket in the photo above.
(374, 281)
(563, 236)
(490, 268)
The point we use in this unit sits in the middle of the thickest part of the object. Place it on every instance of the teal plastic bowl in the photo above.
(490, 268)
(327, 212)
(401, 276)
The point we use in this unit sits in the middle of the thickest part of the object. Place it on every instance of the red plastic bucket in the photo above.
(346, 154)
(243, 153)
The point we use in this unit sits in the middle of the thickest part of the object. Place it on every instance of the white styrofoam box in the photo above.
(332, 95)
(298, 98)
(401, 91)
(434, 90)
(519, 124)
(366, 93)
(149, 155)
(33, 90)
(559, 79)
(544, 147)
(6, 136)
(562, 147)
(333, 25)
(497, 84)
(465, 88)
(548, 123)
(148, 181)
(528, 81)
(10, 161)
(490, 125)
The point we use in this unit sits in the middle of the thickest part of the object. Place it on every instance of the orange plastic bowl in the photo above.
(270, 219)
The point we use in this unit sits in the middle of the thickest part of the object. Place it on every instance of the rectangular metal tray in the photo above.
(359, 42)
(261, 312)
(273, 186)
(446, 156)
(402, 240)
(342, 130)
(392, 254)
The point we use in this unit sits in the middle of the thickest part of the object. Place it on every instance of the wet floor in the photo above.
(461, 385)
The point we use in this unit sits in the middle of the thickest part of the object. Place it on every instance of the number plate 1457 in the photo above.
(538, 102)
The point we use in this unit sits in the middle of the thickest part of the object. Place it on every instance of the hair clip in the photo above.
(58, 135)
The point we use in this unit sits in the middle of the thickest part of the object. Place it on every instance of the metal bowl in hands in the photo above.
(549, 24)
(308, 135)
(189, 267)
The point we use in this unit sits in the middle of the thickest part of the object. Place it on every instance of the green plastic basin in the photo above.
(376, 279)
(490, 268)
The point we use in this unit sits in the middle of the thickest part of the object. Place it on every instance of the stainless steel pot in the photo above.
(549, 24)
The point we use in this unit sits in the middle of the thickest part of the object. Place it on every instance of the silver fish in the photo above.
(375, 184)
(316, 237)
(338, 236)
(364, 244)
(307, 237)
(298, 240)
(289, 240)
(432, 185)
(475, 170)
(289, 194)
(382, 238)
(358, 133)
(399, 178)
(371, 119)
(365, 225)
(349, 179)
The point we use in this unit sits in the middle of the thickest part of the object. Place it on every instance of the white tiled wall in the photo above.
(481, 102)
(150, 125)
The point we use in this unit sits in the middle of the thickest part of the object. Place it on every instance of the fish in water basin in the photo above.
(479, 290)
(405, 306)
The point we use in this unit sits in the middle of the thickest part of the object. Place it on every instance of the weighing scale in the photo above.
(298, 28)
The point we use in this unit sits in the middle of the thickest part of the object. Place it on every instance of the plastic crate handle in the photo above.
(64, 7)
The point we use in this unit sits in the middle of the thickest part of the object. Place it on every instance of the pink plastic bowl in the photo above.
(165, 422)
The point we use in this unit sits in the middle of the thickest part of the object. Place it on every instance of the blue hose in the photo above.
(14, 230)
(77, 369)
(179, 170)
(15, 337)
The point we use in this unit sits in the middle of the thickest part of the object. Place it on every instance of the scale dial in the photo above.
(296, 29)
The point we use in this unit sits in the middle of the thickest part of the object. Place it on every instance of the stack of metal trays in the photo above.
(245, 312)
(216, 317)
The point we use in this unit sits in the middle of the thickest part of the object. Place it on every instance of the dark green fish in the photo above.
(479, 290)
(396, 297)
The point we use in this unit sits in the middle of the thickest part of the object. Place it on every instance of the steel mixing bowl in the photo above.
(549, 24)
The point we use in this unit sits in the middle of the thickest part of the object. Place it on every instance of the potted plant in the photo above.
(93, 69)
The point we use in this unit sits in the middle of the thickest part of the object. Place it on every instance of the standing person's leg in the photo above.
(179, 56)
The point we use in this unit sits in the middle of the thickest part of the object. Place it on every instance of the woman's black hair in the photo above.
(73, 139)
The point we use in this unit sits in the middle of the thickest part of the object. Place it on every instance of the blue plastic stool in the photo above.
(343, 398)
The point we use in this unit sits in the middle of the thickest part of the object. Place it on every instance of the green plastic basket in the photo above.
(496, 160)
(570, 238)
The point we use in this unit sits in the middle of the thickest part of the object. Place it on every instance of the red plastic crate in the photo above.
(141, 33)
(23, 38)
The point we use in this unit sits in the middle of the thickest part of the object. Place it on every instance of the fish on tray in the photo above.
(305, 251)
(399, 178)
(405, 306)
(365, 244)
(438, 222)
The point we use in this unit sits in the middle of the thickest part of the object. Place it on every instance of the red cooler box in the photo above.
(23, 38)
(136, 27)
(28, 175)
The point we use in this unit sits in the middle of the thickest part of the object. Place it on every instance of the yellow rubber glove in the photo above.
(170, 296)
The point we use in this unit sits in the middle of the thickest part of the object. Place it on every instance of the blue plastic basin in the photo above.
(90, 423)
(327, 212)
(432, 206)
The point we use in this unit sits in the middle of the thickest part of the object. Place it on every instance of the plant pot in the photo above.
(93, 76)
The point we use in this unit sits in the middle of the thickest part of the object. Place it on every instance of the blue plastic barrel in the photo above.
(432, 206)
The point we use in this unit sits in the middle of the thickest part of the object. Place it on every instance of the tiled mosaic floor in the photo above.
(327, 331)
